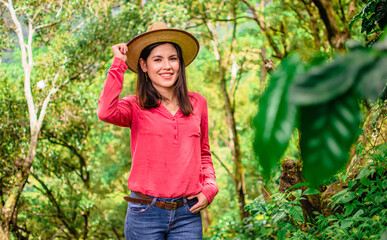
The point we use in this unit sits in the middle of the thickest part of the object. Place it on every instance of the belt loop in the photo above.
(154, 201)
(185, 200)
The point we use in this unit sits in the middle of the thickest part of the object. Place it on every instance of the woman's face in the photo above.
(162, 67)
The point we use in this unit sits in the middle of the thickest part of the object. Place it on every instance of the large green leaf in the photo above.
(373, 80)
(324, 83)
(327, 133)
(275, 120)
(296, 213)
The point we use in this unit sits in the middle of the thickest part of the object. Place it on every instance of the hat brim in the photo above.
(187, 42)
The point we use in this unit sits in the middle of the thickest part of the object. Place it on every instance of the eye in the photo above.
(173, 58)
(157, 59)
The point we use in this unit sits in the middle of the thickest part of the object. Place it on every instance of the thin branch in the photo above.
(59, 230)
(6, 4)
(283, 38)
(232, 19)
(60, 9)
(82, 159)
(36, 14)
(300, 17)
(80, 25)
(224, 166)
(47, 99)
(313, 22)
(21, 9)
(239, 76)
(261, 23)
(47, 25)
(59, 211)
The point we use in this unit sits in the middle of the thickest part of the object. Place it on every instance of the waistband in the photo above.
(169, 205)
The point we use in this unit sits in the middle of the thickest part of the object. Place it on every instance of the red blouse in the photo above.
(170, 154)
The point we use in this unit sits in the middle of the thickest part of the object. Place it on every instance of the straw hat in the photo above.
(159, 32)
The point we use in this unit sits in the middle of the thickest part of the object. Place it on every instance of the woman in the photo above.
(172, 177)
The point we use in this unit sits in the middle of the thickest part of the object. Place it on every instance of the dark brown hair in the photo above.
(149, 97)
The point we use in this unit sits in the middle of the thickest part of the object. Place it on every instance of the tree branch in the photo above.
(313, 22)
(58, 208)
(3, 2)
(81, 157)
(47, 25)
(224, 166)
(26, 66)
(261, 23)
(47, 99)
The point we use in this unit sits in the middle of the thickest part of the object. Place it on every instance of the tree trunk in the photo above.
(234, 142)
(223, 64)
(8, 209)
(336, 37)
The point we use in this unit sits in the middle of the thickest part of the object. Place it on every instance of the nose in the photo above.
(167, 64)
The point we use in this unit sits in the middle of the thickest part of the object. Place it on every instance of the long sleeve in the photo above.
(111, 109)
(210, 188)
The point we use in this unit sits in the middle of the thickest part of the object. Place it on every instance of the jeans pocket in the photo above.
(190, 204)
(137, 208)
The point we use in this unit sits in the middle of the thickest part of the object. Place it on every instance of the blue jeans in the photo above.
(148, 222)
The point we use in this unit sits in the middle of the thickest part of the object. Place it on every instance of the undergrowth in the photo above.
(357, 212)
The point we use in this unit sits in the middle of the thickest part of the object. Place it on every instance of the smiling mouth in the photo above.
(166, 75)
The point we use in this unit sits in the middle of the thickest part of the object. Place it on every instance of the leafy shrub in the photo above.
(359, 211)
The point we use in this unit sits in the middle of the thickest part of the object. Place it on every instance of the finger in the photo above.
(192, 197)
(120, 48)
(196, 209)
(124, 49)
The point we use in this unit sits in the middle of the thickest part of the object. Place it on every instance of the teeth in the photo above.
(166, 75)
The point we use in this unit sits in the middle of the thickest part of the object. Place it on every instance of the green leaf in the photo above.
(351, 184)
(346, 224)
(365, 172)
(311, 191)
(358, 213)
(349, 208)
(278, 216)
(302, 184)
(345, 198)
(373, 79)
(327, 133)
(282, 234)
(324, 83)
(354, 19)
(296, 213)
(275, 120)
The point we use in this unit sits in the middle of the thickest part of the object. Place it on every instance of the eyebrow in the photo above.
(159, 56)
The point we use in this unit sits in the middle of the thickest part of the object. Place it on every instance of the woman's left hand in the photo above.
(201, 204)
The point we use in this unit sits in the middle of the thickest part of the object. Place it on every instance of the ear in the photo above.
(143, 65)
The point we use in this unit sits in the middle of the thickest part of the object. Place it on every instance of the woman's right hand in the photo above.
(119, 50)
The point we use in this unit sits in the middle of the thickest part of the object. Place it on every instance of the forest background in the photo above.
(64, 172)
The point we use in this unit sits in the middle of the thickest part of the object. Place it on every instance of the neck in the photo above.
(168, 95)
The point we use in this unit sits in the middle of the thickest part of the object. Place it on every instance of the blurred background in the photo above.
(64, 172)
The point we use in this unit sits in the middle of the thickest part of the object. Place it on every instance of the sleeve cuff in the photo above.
(119, 64)
(210, 191)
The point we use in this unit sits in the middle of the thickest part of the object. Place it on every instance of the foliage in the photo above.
(359, 212)
(325, 98)
(373, 15)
